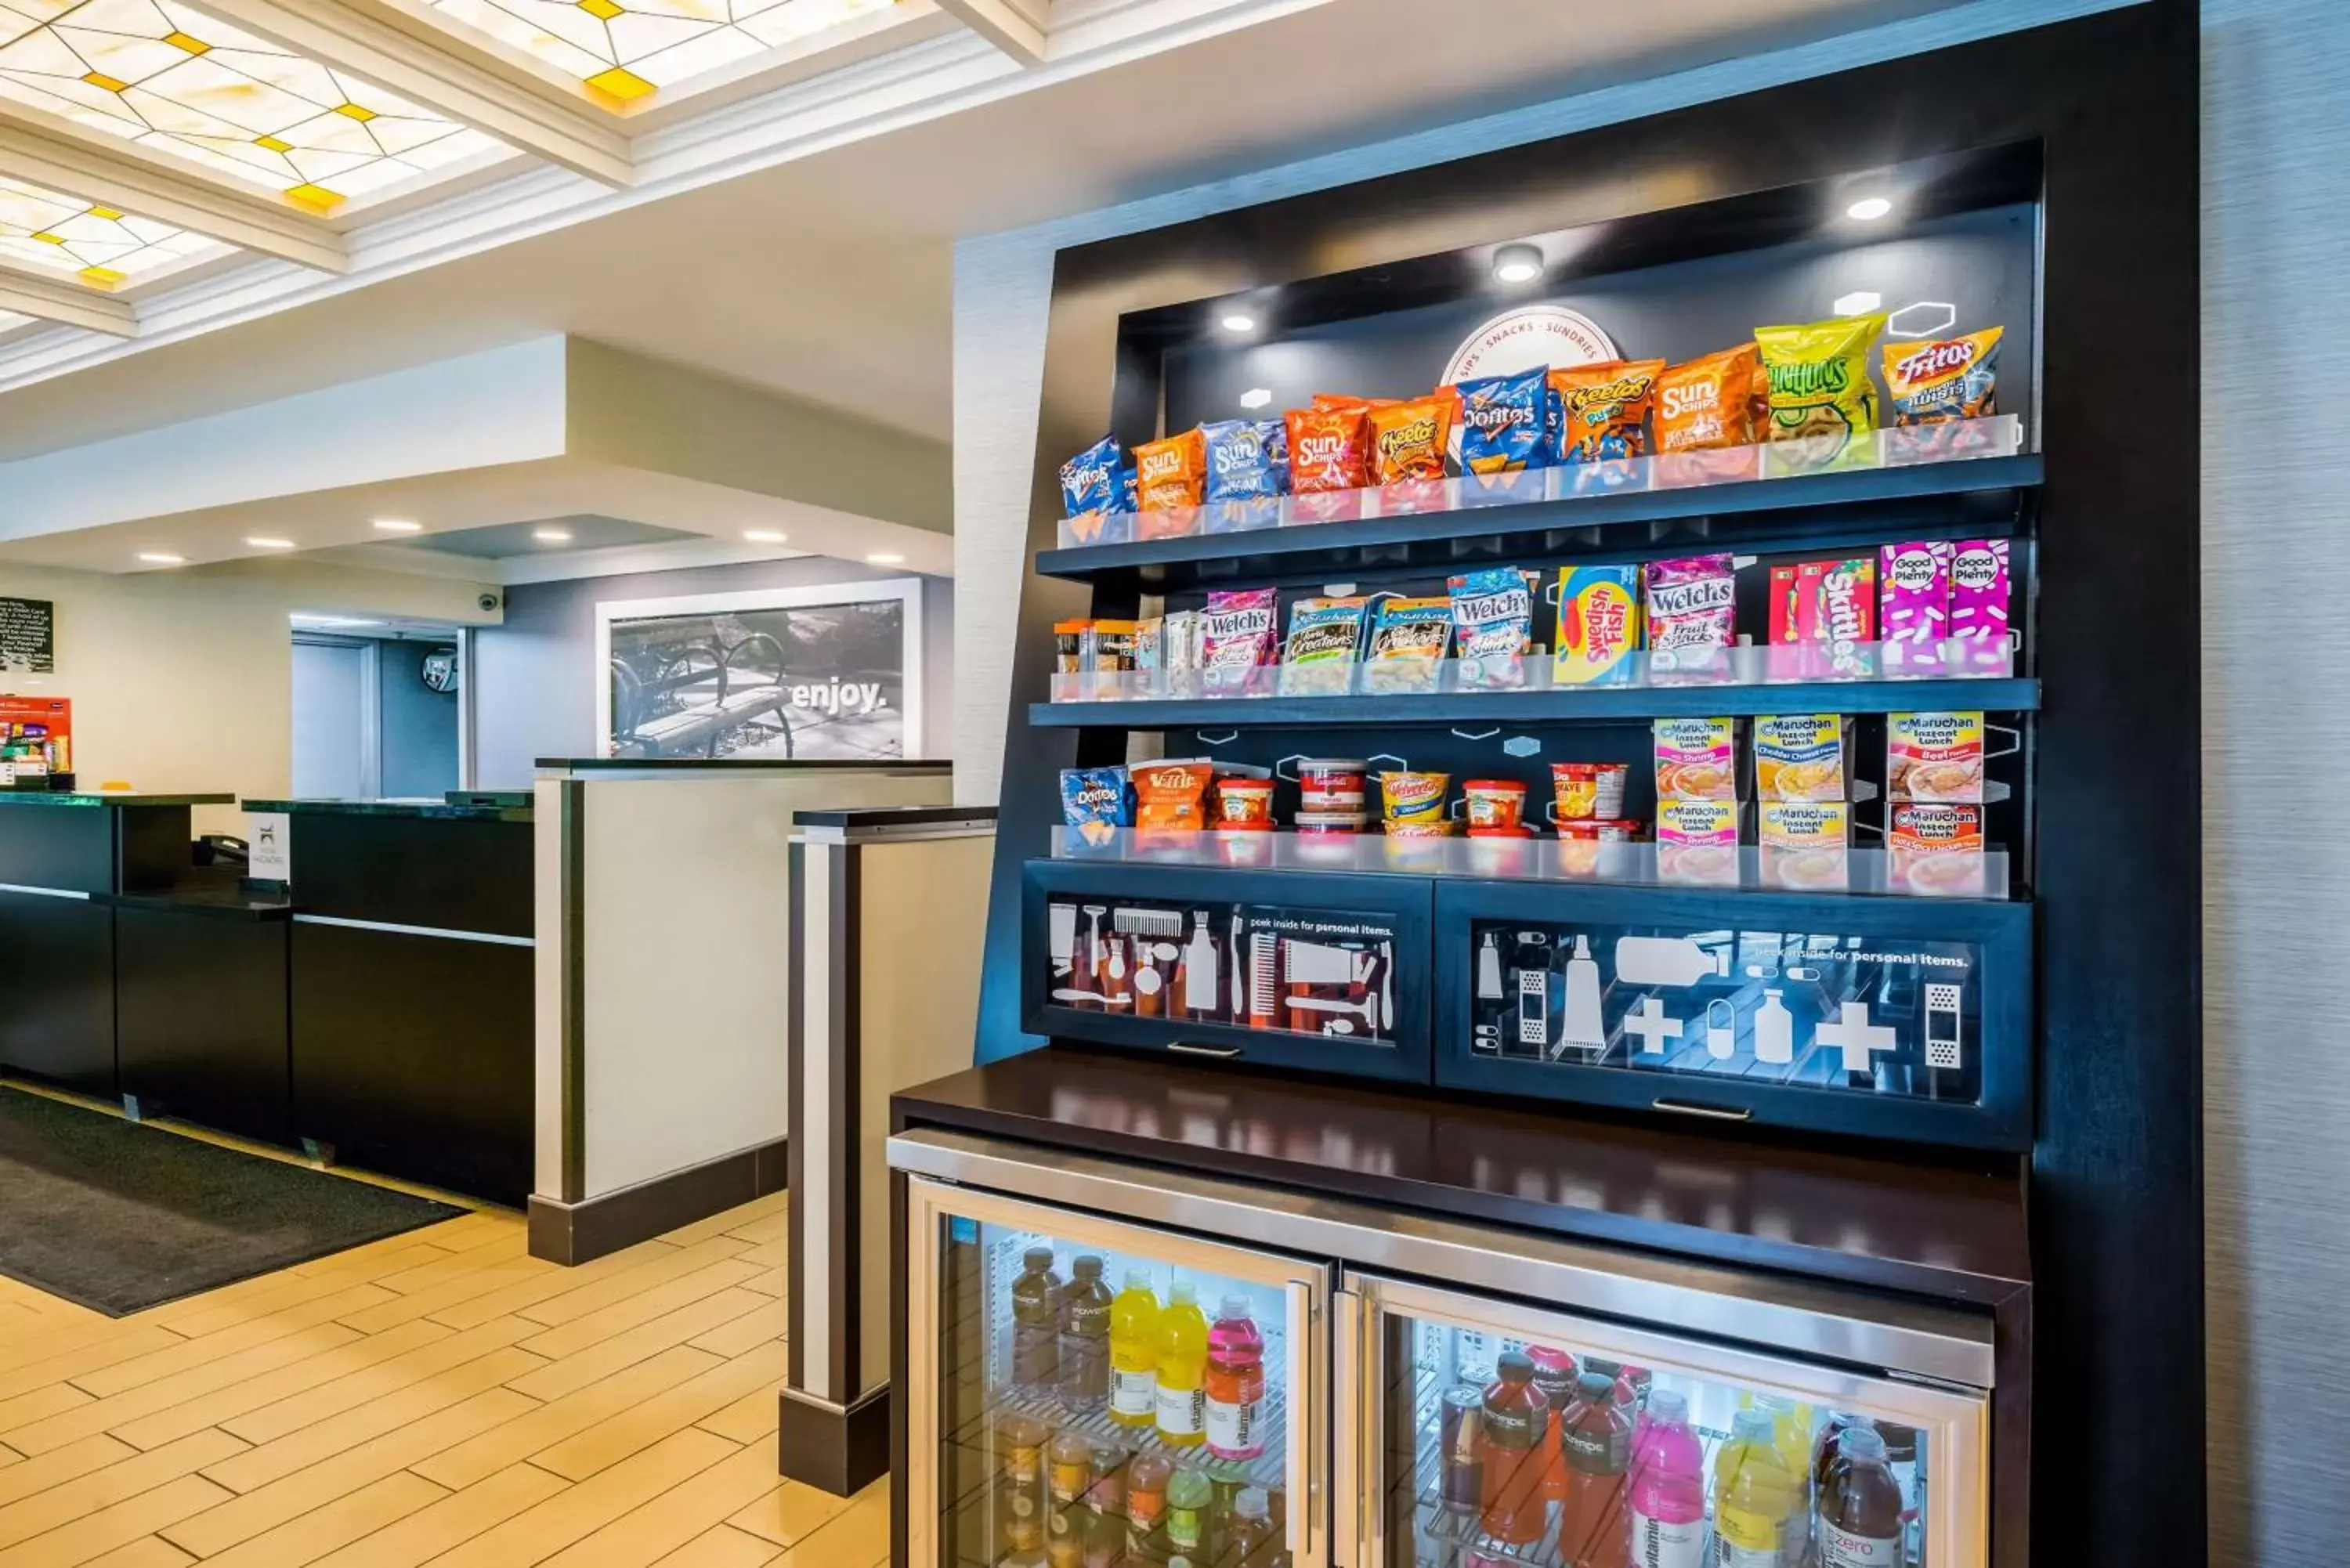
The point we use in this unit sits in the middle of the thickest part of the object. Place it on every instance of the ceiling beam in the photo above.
(56, 299)
(47, 150)
(1006, 24)
(441, 70)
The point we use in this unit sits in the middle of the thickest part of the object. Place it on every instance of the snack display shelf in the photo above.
(1547, 509)
(1869, 872)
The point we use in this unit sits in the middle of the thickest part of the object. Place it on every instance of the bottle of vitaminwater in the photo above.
(1084, 1339)
(1234, 1384)
(1036, 1328)
(1860, 1504)
(1182, 1369)
(1756, 1498)
(1133, 1353)
(1667, 1506)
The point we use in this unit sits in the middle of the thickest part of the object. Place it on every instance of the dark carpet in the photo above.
(119, 1216)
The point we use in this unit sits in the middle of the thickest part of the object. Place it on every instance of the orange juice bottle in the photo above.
(1182, 1369)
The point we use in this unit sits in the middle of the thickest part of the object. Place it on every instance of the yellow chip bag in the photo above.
(1822, 400)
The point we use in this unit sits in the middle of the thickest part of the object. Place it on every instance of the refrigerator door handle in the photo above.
(1349, 1419)
(1308, 1445)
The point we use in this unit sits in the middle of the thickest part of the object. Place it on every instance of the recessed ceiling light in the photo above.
(398, 525)
(268, 542)
(1256, 397)
(765, 536)
(886, 558)
(162, 558)
(552, 535)
(1868, 209)
(1517, 264)
(1239, 321)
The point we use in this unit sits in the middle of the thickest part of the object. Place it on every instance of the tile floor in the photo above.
(439, 1398)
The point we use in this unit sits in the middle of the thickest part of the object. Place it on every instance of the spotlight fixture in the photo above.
(765, 536)
(1239, 321)
(886, 558)
(552, 535)
(1868, 209)
(267, 542)
(1256, 397)
(162, 558)
(1517, 264)
(398, 526)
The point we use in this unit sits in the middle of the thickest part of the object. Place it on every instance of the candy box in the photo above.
(1598, 624)
(1833, 602)
(1913, 592)
(1934, 757)
(1979, 590)
(1692, 602)
(1800, 756)
(1697, 759)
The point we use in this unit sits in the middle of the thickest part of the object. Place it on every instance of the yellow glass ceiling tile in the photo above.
(172, 78)
(48, 238)
(104, 212)
(602, 9)
(101, 277)
(98, 245)
(315, 198)
(620, 85)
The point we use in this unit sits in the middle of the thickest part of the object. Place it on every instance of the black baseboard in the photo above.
(837, 1450)
(574, 1234)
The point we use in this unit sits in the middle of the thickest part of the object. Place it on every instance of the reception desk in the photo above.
(409, 979)
(71, 867)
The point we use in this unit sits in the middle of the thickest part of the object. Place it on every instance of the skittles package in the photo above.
(1093, 801)
(1823, 404)
(1604, 410)
(1246, 459)
(1089, 480)
(1170, 473)
(1329, 450)
(1503, 422)
(1410, 440)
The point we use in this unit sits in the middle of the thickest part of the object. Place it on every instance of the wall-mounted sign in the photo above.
(439, 671)
(778, 673)
(1533, 335)
(28, 636)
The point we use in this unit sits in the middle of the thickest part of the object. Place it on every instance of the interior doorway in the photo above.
(377, 714)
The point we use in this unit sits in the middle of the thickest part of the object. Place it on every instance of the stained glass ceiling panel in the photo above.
(624, 51)
(48, 233)
(10, 320)
(167, 77)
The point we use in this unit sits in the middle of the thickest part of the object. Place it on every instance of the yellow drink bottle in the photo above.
(1757, 1499)
(1182, 1369)
(1133, 1353)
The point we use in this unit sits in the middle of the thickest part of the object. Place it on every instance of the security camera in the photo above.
(488, 601)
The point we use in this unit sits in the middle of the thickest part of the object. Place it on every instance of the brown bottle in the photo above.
(1859, 1523)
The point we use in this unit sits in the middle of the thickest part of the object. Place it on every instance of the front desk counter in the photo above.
(410, 975)
(94, 888)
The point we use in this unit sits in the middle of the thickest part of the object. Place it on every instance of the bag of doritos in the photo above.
(1504, 423)
(1823, 404)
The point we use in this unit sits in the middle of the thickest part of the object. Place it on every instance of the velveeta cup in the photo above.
(1244, 804)
(1495, 805)
(1414, 796)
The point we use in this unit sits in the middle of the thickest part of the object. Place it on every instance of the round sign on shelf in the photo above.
(1534, 335)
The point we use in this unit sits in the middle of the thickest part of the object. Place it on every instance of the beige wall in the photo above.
(183, 682)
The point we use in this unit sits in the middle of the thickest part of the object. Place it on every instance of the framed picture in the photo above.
(776, 674)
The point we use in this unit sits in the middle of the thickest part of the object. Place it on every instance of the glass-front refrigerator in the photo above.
(1090, 1393)
(1499, 1434)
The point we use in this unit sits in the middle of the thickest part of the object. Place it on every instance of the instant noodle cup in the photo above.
(1332, 784)
(1312, 823)
(1584, 792)
(1414, 796)
(1934, 757)
(1697, 759)
(1494, 805)
(1244, 804)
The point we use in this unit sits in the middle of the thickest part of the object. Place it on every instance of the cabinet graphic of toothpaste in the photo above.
(1979, 590)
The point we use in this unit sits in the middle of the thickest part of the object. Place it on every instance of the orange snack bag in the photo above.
(1329, 448)
(1170, 472)
(1408, 440)
(1709, 402)
(1604, 409)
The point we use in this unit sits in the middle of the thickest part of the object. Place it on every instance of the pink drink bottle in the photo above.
(1667, 1492)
